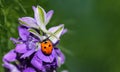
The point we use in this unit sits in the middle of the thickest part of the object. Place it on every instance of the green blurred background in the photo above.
(92, 43)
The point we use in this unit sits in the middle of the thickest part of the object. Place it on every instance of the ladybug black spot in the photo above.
(45, 42)
(49, 45)
(44, 47)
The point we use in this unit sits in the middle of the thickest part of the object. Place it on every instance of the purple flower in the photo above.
(48, 63)
(29, 69)
(40, 20)
(35, 49)
(26, 43)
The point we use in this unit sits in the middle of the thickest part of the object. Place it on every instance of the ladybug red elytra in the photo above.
(47, 47)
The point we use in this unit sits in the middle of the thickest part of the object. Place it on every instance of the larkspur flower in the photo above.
(36, 49)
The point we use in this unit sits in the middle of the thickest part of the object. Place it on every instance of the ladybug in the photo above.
(46, 47)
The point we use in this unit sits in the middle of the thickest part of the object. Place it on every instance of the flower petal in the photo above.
(40, 16)
(15, 41)
(29, 69)
(11, 67)
(31, 45)
(45, 58)
(10, 56)
(57, 31)
(23, 33)
(28, 21)
(64, 31)
(21, 48)
(28, 53)
(34, 32)
(48, 16)
(60, 55)
(37, 63)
